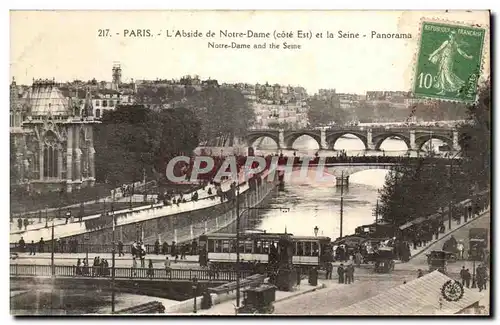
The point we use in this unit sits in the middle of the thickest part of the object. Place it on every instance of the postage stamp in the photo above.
(449, 62)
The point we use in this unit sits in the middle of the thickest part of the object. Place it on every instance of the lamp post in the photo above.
(316, 229)
(237, 246)
(450, 207)
(474, 273)
(113, 253)
(52, 253)
(195, 292)
(238, 215)
(46, 217)
(341, 204)
(376, 212)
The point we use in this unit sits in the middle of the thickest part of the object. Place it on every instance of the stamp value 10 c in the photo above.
(449, 62)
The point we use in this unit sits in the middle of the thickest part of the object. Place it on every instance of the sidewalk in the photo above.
(128, 257)
(228, 307)
(147, 212)
(454, 227)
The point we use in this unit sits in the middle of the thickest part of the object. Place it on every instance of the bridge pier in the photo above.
(369, 140)
(456, 146)
(281, 137)
(413, 145)
(323, 145)
(342, 181)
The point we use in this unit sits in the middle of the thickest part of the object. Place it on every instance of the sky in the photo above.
(65, 45)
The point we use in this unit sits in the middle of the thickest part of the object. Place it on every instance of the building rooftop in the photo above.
(44, 97)
(418, 297)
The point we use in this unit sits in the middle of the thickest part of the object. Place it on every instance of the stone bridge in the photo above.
(372, 138)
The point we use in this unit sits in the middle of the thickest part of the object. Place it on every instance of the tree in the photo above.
(132, 139)
(224, 113)
(416, 190)
(324, 111)
(475, 140)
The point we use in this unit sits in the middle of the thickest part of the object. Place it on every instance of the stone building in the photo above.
(52, 137)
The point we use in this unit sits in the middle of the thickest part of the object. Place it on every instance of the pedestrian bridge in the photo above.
(346, 170)
(347, 166)
(372, 137)
(156, 282)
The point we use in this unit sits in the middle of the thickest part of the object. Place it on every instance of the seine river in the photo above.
(317, 204)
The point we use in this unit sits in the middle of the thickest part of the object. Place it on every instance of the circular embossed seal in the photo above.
(452, 290)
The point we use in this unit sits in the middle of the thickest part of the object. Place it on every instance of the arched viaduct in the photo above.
(372, 138)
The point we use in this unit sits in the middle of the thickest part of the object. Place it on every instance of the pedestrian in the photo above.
(32, 248)
(78, 270)
(134, 267)
(329, 269)
(463, 272)
(142, 253)
(150, 269)
(420, 273)
(358, 258)
(348, 273)
(41, 245)
(157, 247)
(120, 248)
(460, 248)
(22, 245)
(167, 266)
(85, 267)
(340, 272)
(133, 249)
(467, 277)
(26, 223)
(164, 248)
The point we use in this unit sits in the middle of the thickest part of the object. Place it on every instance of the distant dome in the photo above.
(44, 97)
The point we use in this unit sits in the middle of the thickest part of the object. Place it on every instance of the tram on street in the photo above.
(308, 251)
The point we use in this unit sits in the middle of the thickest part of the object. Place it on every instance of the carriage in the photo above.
(478, 242)
(258, 300)
(438, 260)
(384, 260)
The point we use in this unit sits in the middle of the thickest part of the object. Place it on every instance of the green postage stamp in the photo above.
(449, 62)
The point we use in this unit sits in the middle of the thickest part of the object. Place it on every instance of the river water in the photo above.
(317, 204)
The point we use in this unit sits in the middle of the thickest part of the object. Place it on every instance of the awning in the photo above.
(418, 297)
(413, 222)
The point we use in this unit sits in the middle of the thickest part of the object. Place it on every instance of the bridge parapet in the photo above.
(66, 271)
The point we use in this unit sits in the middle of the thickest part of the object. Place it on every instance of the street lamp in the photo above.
(52, 253)
(450, 213)
(474, 273)
(46, 217)
(341, 204)
(316, 229)
(238, 215)
(113, 266)
(195, 292)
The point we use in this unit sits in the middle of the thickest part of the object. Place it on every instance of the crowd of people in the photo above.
(100, 267)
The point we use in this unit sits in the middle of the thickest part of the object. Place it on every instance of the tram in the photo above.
(308, 251)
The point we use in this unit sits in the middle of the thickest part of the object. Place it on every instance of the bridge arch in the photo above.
(251, 138)
(378, 140)
(420, 141)
(331, 138)
(290, 138)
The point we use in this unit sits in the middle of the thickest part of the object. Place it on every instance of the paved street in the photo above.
(367, 284)
(191, 262)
